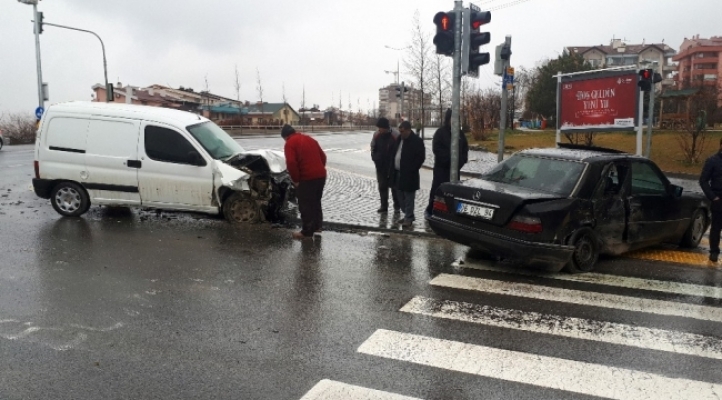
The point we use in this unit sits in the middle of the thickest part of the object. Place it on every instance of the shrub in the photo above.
(18, 128)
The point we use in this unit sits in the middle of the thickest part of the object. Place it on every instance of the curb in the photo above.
(345, 228)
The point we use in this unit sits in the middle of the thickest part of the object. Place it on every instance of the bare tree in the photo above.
(441, 82)
(283, 92)
(207, 90)
(238, 85)
(18, 128)
(259, 88)
(418, 62)
(694, 137)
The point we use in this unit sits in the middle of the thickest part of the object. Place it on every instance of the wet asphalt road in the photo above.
(150, 305)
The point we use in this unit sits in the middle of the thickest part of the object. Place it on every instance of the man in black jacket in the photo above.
(441, 145)
(711, 182)
(409, 156)
(382, 153)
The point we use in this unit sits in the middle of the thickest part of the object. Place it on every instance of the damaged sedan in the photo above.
(128, 155)
(563, 207)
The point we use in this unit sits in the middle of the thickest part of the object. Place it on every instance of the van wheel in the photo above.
(69, 199)
(586, 251)
(241, 209)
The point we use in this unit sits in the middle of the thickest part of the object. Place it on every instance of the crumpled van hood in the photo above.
(276, 160)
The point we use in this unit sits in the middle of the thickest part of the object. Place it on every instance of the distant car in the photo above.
(563, 207)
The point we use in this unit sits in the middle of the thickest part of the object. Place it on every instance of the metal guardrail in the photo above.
(265, 129)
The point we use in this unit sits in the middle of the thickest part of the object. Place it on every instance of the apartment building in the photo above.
(698, 62)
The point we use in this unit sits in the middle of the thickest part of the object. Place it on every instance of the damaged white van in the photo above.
(138, 156)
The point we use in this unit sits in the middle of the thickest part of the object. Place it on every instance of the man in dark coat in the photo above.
(441, 146)
(409, 156)
(711, 182)
(382, 147)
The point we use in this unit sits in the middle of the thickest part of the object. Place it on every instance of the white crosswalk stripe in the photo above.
(577, 328)
(549, 372)
(332, 390)
(684, 289)
(566, 373)
(579, 297)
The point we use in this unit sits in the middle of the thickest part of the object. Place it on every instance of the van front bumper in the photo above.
(42, 187)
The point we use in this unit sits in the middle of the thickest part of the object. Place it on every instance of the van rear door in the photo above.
(110, 159)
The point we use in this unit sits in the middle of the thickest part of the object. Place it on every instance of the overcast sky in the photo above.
(330, 47)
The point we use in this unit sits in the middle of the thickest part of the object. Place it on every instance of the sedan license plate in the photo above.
(474, 211)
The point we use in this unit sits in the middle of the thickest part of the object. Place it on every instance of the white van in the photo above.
(129, 155)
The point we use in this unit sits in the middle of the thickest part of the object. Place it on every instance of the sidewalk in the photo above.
(350, 201)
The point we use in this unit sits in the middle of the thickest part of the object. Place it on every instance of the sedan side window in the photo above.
(167, 145)
(645, 180)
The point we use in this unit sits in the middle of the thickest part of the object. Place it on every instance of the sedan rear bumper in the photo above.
(540, 255)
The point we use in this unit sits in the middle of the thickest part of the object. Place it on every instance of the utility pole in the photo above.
(37, 24)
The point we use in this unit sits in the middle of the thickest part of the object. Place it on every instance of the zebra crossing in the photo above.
(687, 304)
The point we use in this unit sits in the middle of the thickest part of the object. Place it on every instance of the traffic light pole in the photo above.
(456, 95)
(650, 122)
(640, 129)
(401, 109)
(504, 110)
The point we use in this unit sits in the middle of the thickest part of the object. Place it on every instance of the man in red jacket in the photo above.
(306, 163)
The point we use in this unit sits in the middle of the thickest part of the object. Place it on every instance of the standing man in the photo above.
(382, 154)
(306, 163)
(441, 145)
(409, 156)
(711, 182)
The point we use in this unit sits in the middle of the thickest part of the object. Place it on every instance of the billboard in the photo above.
(604, 101)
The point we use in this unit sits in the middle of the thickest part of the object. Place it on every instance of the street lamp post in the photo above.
(36, 20)
(108, 92)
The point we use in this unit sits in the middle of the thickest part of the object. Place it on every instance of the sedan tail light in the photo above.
(525, 224)
(440, 204)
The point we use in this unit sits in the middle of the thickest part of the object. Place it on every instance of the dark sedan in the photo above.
(563, 207)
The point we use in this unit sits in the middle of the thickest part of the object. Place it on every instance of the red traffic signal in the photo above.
(444, 38)
(645, 79)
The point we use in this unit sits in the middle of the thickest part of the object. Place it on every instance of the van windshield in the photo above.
(215, 140)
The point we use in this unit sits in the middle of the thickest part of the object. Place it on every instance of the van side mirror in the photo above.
(194, 158)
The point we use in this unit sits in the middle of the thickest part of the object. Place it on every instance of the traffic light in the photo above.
(657, 78)
(444, 38)
(645, 79)
(398, 92)
(40, 22)
(470, 57)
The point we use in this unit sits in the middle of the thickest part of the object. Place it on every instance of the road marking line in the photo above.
(333, 390)
(576, 328)
(686, 289)
(579, 297)
(543, 371)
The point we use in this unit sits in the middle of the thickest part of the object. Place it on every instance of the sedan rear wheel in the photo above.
(586, 251)
(695, 231)
(241, 209)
